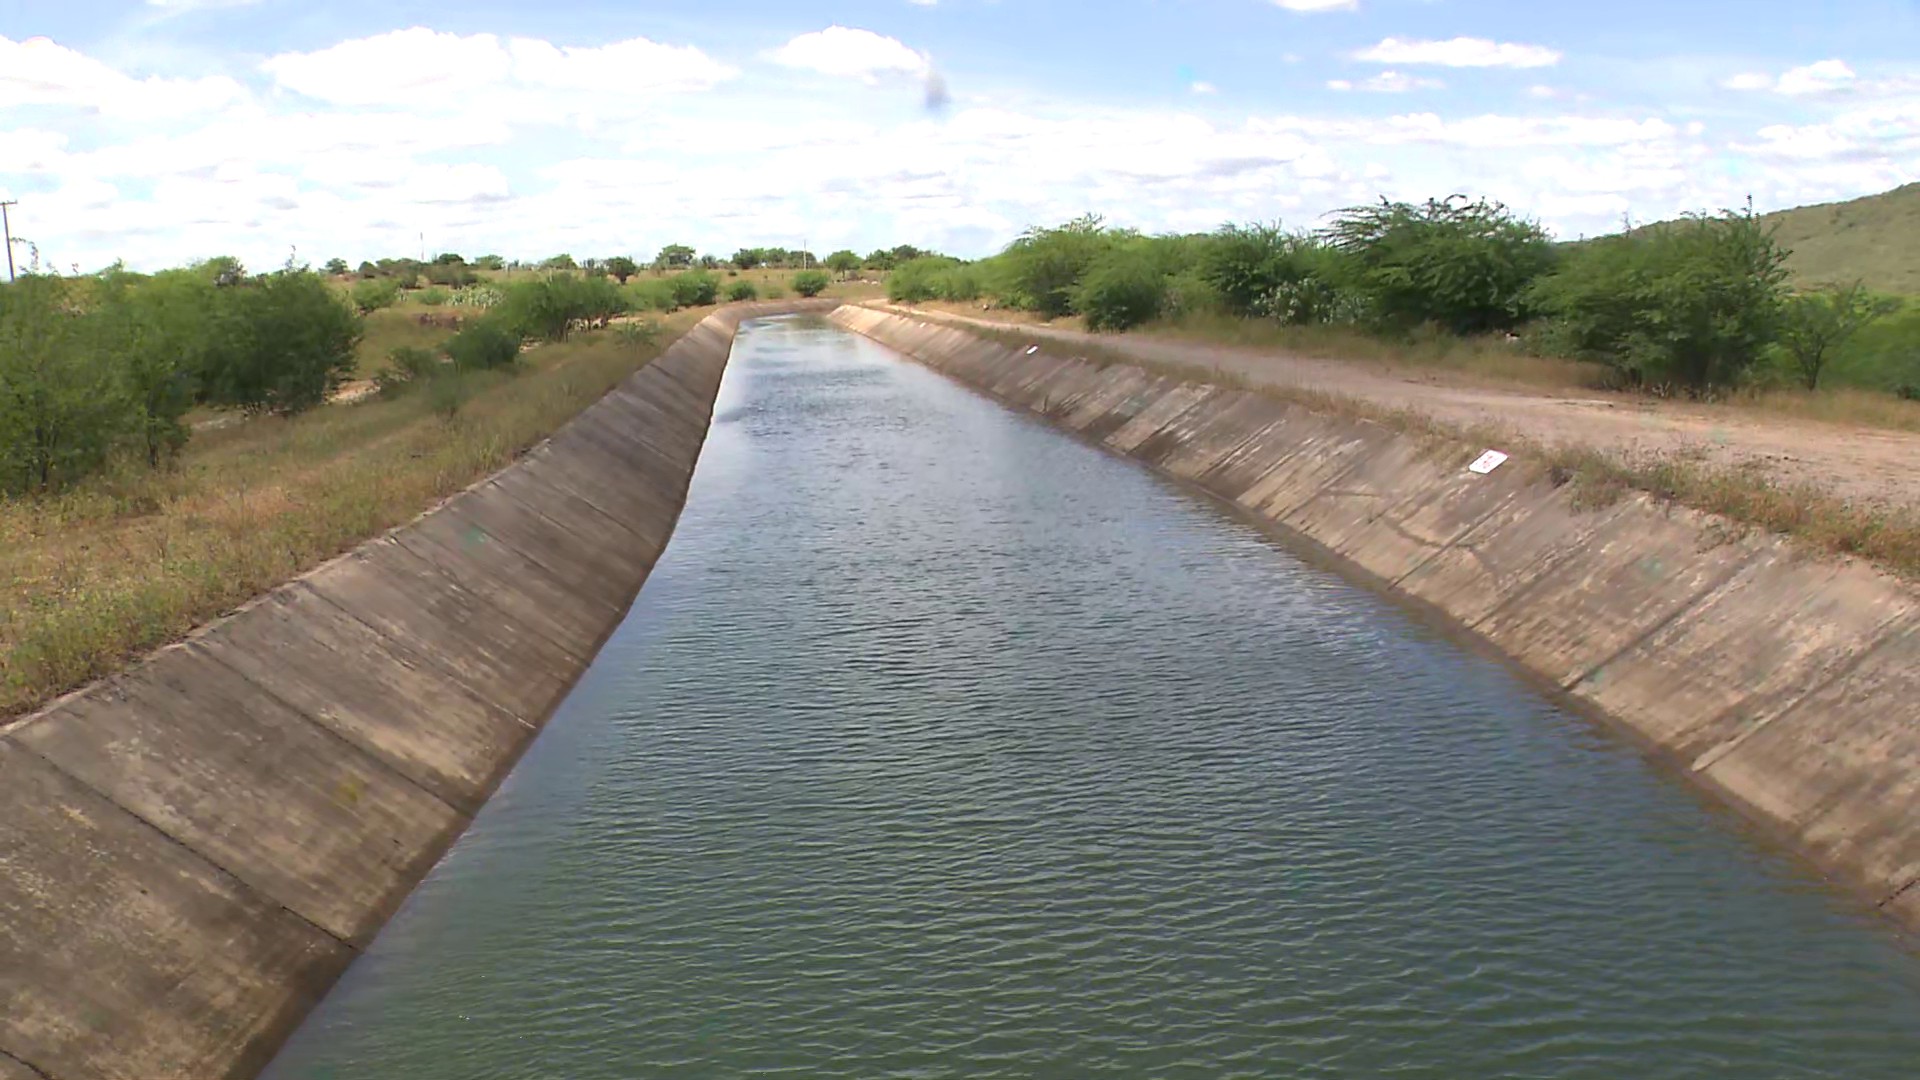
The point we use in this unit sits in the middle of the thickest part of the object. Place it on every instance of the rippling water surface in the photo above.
(941, 745)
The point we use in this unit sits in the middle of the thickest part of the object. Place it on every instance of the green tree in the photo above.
(61, 405)
(919, 280)
(489, 262)
(1466, 266)
(336, 267)
(843, 262)
(694, 288)
(1692, 302)
(559, 262)
(622, 268)
(748, 258)
(158, 335)
(372, 294)
(1815, 324)
(1044, 266)
(485, 344)
(674, 257)
(811, 282)
(1121, 291)
(289, 344)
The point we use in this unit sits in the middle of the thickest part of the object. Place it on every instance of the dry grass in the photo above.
(101, 574)
(1818, 522)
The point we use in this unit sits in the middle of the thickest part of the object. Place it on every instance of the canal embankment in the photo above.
(196, 848)
(1783, 681)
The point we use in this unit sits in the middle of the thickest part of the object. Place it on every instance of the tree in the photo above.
(336, 267)
(1044, 266)
(484, 344)
(489, 262)
(811, 282)
(622, 268)
(1692, 302)
(1465, 266)
(843, 262)
(1814, 324)
(449, 258)
(60, 406)
(157, 335)
(292, 341)
(880, 259)
(1120, 291)
(694, 288)
(372, 294)
(748, 258)
(559, 262)
(674, 257)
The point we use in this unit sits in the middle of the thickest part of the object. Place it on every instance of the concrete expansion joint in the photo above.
(27, 1065)
(1899, 892)
(1839, 673)
(1685, 607)
(426, 656)
(359, 752)
(267, 899)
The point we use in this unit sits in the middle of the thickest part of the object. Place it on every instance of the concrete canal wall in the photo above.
(193, 851)
(1788, 684)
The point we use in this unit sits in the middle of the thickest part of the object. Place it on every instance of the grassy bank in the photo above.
(129, 560)
(1816, 521)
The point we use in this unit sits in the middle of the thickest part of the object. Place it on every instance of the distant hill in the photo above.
(1875, 239)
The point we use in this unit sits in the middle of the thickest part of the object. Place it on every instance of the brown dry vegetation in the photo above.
(120, 565)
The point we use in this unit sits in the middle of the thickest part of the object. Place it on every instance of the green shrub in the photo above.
(407, 366)
(811, 282)
(1692, 303)
(694, 288)
(772, 290)
(485, 344)
(433, 297)
(1041, 271)
(918, 280)
(373, 293)
(61, 411)
(288, 343)
(451, 274)
(650, 294)
(1815, 326)
(1121, 291)
(740, 290)
(1466, 266)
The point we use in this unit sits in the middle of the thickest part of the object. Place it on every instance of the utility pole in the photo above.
(6, 226)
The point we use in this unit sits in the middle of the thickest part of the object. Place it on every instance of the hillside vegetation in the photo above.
(1874, 240)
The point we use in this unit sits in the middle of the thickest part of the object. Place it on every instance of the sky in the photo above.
(164, 131)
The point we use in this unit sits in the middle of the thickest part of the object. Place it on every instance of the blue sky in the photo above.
(165, 130)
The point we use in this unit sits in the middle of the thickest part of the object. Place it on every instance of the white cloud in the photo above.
(1387, 82)
(198, 5)
(1318, 5)
(421, 67)
(1480, 132)
(39, 72)
(1748, 80)
(1817, 78)
(1203, 88)
(852, 53)
(1460, 52)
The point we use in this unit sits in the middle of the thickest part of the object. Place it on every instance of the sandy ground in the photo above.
(1864, 464)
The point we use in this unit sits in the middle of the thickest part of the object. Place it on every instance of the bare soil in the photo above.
(1861, 464)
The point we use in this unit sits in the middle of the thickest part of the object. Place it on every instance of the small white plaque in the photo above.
(1487, 462)
(1031, 349)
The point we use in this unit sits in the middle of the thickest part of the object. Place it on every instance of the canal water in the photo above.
(942, 745)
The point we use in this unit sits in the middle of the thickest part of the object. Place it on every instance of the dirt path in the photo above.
(1865, 464)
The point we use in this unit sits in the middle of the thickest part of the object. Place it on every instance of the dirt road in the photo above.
(1862, 464)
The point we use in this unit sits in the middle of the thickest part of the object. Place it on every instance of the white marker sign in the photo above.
(1031, 349)
(1487, 462)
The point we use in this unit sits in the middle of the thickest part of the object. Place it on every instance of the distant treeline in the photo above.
(1695, 304)
(107, 366)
